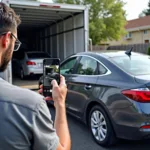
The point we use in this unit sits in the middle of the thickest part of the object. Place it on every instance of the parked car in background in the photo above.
(110, 92)
(28, 63)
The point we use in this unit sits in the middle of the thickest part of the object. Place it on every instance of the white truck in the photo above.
(59, 29)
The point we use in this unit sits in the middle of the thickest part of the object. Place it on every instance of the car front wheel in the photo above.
(100, 127)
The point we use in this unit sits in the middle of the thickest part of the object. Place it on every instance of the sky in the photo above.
(133, 7)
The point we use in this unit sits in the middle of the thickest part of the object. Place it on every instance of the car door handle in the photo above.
(87, 87)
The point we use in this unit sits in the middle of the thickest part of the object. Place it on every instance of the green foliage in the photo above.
(146, 12)
(107, 18)
(148, 52)
(142, 14)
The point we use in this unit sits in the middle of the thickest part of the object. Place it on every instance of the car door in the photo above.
(81, 85)
(67, 70)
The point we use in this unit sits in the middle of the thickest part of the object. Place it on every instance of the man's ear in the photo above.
(6, 40)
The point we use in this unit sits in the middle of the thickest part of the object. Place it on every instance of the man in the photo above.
(25, 121)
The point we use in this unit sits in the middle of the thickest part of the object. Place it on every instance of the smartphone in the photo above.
(51, 70)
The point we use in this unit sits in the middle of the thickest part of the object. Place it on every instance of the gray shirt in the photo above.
(25, 121)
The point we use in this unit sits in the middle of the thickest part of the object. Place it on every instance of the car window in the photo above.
(87, 66)
(67, 66)
(38, 55)
(102, 69)
(135, 65)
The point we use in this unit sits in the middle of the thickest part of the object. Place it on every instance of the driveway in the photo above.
(28, 82)
(82, 140)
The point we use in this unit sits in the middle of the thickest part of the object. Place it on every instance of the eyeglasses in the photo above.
(17, 42)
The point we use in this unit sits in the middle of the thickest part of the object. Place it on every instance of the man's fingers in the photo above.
(48, 98)
(54, 83)
(41, 86)
(40, 91)
(62, 81)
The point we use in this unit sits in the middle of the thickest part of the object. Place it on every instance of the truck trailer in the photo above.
(58, 29)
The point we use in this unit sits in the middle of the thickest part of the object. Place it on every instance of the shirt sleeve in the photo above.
(44, 134)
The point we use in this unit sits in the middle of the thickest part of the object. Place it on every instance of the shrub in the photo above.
(148, 52)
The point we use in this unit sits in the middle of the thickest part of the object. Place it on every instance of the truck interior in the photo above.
(58, 31)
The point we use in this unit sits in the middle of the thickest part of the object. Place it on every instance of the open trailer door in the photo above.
(58, 29)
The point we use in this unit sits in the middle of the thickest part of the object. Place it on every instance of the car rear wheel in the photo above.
(22, 74)
(100, 127)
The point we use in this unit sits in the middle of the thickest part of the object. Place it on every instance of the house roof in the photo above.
(137, 23)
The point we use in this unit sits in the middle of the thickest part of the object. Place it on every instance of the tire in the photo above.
(22, 76)
(101, 131)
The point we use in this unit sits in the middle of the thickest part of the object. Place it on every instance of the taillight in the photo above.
(30, 63)
(140, 95)
(145, 127)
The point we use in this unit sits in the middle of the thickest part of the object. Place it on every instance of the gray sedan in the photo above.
(110, 92)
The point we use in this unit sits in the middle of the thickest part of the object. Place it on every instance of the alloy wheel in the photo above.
(98, 125)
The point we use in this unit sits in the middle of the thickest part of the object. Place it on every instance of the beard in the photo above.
(6, 57)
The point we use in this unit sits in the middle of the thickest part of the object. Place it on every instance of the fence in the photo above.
(98, 47)
(141, 48)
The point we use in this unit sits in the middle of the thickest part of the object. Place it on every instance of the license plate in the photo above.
(40, 64)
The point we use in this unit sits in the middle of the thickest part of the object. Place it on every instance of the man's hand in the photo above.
(40, 91)
(59, 92)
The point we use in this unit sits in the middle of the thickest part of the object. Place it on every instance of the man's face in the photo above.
(7, 43)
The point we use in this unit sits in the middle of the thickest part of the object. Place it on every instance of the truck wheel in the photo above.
(100, 127)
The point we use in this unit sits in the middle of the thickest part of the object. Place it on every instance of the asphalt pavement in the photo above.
(28, 82)
(82, 139)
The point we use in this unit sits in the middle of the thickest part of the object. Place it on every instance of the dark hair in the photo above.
(9, 21)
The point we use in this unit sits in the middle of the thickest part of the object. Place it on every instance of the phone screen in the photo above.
(51, 70)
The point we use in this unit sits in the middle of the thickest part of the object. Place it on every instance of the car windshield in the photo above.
(38, 55)
(135, 65)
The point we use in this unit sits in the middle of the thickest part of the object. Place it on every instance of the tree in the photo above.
(147, 11)
(142, 14)
(107, 18)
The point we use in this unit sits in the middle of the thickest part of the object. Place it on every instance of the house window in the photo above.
(145, 31)
(129, 35)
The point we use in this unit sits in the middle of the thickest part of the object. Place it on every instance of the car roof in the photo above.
(109, 53)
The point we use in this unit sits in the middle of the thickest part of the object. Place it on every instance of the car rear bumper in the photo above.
(128, 123)
(31, 71)
(131, 133)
